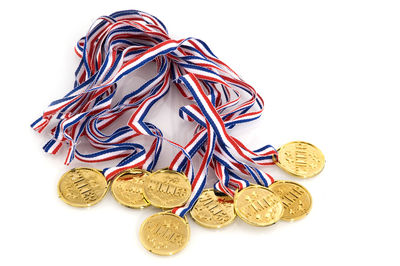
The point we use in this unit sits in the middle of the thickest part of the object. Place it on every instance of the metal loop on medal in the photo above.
(127, 188)
(82, 187)
(166, 188)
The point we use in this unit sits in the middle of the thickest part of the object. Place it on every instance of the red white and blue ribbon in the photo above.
(121, 43)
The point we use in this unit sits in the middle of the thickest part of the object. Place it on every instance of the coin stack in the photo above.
(167, 233)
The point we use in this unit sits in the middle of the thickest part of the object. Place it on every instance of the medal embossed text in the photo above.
(92, 115)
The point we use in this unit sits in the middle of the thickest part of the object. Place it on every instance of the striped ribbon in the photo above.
(121, 43)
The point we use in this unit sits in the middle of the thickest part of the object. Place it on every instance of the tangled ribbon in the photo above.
(121, 43)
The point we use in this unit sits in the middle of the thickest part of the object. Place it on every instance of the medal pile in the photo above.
(114, 47)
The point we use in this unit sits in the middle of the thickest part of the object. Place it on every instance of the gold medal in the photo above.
(295, 198)
(127, 188)
(213, 211)
(300, 159)
(167, 189)
(164, 233)
(257, 205)
(82, 187)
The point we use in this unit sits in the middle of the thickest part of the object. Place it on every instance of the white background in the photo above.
(329, 74)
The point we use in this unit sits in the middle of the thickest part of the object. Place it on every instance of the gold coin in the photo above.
(82, 187)
(213, 211)
(257, 205)
(300, 159)
(127, 188)
(164, 233)
(295, 198)
(167, 189)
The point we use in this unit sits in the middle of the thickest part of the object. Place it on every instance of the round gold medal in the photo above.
(300, 159)
(166, 189)
(295, 198)
(82, 187)
(164, 233)
(213, 211)
(127, 188)
(257, 205)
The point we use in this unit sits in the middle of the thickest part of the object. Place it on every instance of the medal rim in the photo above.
(65, 200)
(311, 201)
(217, 226)
(305, 176)
(246, 220)
(129, 171)
(187, 226)
(167, 206)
